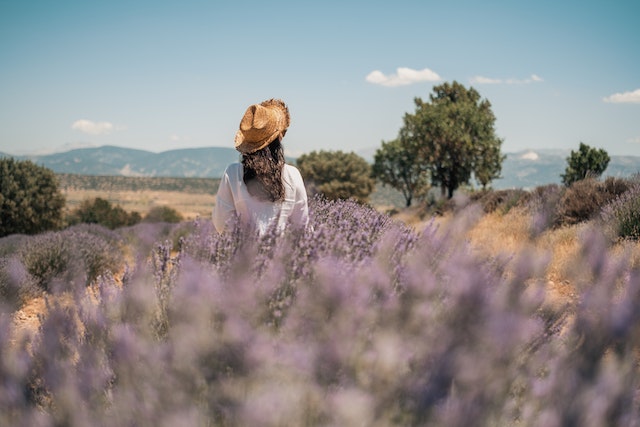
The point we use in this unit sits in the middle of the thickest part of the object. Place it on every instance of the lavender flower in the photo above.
(357, 320)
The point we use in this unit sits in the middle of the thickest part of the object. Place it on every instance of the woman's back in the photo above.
(262, 190)
(233, 198)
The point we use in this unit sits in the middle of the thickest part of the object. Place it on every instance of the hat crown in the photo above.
(261, 124)
(257, 117)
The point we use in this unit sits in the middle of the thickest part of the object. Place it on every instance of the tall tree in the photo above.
(30, 201)
(454, 134)
(336, 174)
(587, 162)
(395, 165)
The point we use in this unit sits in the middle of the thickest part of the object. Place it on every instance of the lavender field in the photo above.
(359, 320)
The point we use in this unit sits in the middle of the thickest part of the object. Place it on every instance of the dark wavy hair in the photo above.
(262, 172)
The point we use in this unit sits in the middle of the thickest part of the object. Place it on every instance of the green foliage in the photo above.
(395, 165)
(455, 137)
(101, 211)
(30, 201)
(163, 214)
(587, 162)
(336, 175)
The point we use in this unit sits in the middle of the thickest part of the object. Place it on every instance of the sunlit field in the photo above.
(192, 197)
(190, 205)
(474, 317)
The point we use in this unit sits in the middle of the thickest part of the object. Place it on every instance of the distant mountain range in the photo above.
(207, 162)
(524, 169)
(529, 169)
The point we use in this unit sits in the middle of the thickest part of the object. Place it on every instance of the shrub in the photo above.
(16, 285)
(30, 201)
(622, 216)
(163, 214)
(48, 256)
(503, 200)
(75, 256)
(584, 199)
(9, 244)
(336, 175)
(617, 186)
(101, 211)
(544, 204)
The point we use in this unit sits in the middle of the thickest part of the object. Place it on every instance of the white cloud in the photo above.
(485, 80)
(403, 77)
(626, 97)
(481, 80)
(635, 140)
(94, 128)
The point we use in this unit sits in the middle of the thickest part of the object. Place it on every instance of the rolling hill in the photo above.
(524, 169)
(117, 161)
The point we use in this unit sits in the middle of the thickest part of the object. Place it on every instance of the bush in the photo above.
(16, 285)
(622, 216)
(543, 205)
(503, 200)
(30, 201)
(584, 199)
(163, 214)
(75, 256)
(336, 175)
(617, 186)
(101, 211)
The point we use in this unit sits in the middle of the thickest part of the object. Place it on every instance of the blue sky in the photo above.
(159, 75)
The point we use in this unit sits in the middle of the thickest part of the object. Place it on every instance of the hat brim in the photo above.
(248, 147)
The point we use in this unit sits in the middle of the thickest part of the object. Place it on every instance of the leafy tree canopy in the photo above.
(30, 201)
(395, 164)
(336, 175)
(587, 162)
(454, 135)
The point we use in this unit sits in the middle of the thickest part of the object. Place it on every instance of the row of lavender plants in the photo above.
(357, 320)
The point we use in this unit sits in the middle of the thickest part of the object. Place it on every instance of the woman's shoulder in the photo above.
(233, 169)
(291, 169)
(291, 175)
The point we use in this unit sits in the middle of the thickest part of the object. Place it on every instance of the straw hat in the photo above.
(261, 124)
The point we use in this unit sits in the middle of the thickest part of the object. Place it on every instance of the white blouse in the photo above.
(233, 198)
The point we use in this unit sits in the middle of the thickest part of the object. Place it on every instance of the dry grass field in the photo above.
(192, 197)
(503, 235)
(190, 205)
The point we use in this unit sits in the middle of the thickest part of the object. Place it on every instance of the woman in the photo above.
(261, 191)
